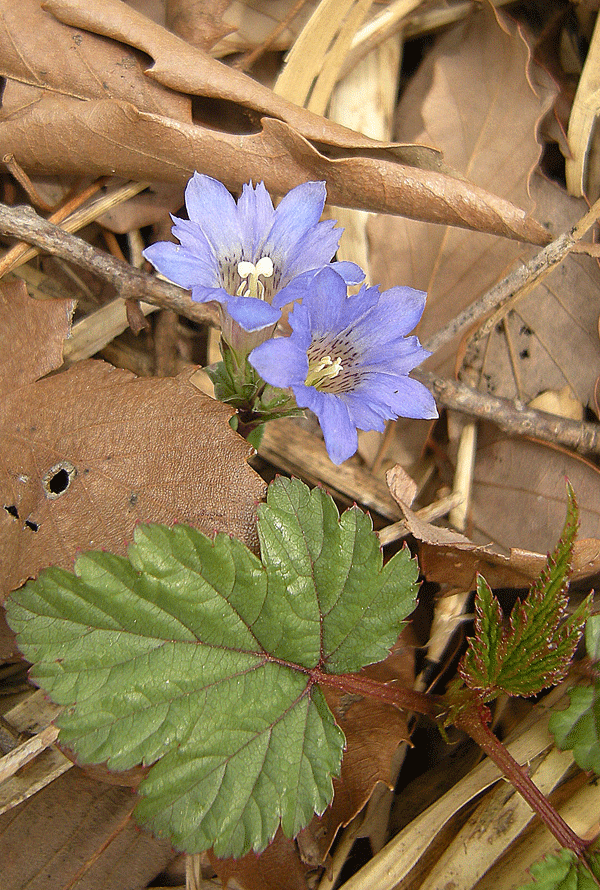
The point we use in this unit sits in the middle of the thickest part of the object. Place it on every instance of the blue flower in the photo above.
(348, 359)
(235, 253)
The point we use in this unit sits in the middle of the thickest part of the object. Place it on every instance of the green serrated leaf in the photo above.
(195, 654)
(564, 871)
(577, 728)
(592, 637)
(535, 651)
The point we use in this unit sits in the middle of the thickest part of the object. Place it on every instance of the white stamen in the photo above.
(249, 273)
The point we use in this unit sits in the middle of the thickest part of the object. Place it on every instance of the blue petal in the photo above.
(350, 272)
(366, 415)
(280, 362)
(191, 236)
(295, 216)
(356, 314)
(295, 290)
(312, 250)
(300, 324)
(179, 265)
(211, 206)
(391, 318)
(325, 301)
(250, 313)
(397, 357)
(341, 438)
(256, 213)
(202, 294)
(411, 399)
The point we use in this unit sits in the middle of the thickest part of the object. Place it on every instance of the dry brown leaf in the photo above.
(52, 132)
(48, 322)
(199, 22)
(278, 868)
(91, 452)
(403, 487)
(471, 98)
(534, 348)
(457, 568)
(77, 834)
(519, 493)
(38, 50)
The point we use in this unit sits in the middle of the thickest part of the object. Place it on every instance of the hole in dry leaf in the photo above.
(524, 353)
(58, 479)
(11, 510)
(32, 525)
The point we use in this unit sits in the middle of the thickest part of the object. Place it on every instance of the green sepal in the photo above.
(237, 384)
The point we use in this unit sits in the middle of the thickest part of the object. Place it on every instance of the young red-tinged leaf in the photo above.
(535, 650)
(193, 655)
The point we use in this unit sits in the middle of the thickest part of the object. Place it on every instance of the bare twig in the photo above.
(516, 283)
(24, 223)
(17, 172)
(512, 418)
(21, 253)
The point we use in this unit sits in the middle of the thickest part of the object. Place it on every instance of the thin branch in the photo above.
(516, 283)
(131, 284)
(515, 419)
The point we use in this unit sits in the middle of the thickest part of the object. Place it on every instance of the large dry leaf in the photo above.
(519, 494)
(534, 349)
(268, 138)
(199, 22)
(89, 453)
(77, 834)
(471, 98)
(278, 868)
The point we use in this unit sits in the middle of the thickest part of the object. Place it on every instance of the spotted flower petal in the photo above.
(222, 236)
(348, 358)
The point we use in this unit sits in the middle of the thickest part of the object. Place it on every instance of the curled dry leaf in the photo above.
(91, 452)
(403, 487)
(122, 130)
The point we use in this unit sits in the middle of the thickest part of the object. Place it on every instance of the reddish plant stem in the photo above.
(474, 725)
(473, 722)
(400, 696)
